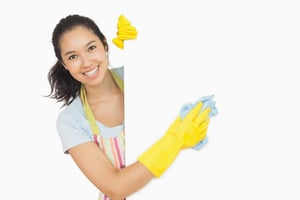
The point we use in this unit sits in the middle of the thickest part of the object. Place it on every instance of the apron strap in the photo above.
(120, 82)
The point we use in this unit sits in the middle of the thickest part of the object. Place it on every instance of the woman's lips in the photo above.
(92, 72)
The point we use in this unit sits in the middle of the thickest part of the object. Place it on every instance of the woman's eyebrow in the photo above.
(90, 42)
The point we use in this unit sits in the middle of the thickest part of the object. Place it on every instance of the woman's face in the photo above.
(84, 55)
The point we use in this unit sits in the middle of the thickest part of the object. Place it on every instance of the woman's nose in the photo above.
(86, 60)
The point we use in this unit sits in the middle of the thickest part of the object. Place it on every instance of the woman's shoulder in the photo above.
(71, 125)
(72, 111)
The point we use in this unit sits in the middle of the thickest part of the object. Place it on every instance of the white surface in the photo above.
(246, 53)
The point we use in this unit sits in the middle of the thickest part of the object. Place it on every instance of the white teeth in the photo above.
(92, 72)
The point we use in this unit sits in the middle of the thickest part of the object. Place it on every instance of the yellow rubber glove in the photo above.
(181, 134)
(125, 32)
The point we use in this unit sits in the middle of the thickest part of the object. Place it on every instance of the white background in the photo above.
(246, 53)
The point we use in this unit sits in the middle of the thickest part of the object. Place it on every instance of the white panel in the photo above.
(246, 53)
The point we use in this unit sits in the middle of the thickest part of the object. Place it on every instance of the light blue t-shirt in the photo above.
(73, 127)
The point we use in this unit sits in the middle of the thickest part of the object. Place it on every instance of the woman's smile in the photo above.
(92, 72)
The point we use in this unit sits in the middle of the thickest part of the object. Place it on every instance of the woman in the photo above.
(91, 125)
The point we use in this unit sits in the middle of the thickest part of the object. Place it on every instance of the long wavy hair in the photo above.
(64, 88)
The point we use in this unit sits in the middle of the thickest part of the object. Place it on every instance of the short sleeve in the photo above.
(72, 130)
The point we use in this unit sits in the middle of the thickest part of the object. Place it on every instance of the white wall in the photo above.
(246, 53)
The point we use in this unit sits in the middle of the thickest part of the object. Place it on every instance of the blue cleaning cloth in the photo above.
(207, 102)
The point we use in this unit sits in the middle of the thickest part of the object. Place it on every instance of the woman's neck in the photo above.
(103, 91)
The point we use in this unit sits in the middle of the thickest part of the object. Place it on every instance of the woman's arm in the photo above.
(182, 134)
(98, 169)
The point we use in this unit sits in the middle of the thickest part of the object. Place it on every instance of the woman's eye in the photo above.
(72, 57)
(92, 48)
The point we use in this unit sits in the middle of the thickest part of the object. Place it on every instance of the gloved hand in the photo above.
(207, 102)
(182, 133)
(125, 32)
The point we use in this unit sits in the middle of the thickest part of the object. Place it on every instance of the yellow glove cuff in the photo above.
(160, 155)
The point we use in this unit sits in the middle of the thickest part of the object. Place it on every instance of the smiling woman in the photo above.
(85, 58)
(91, 127)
